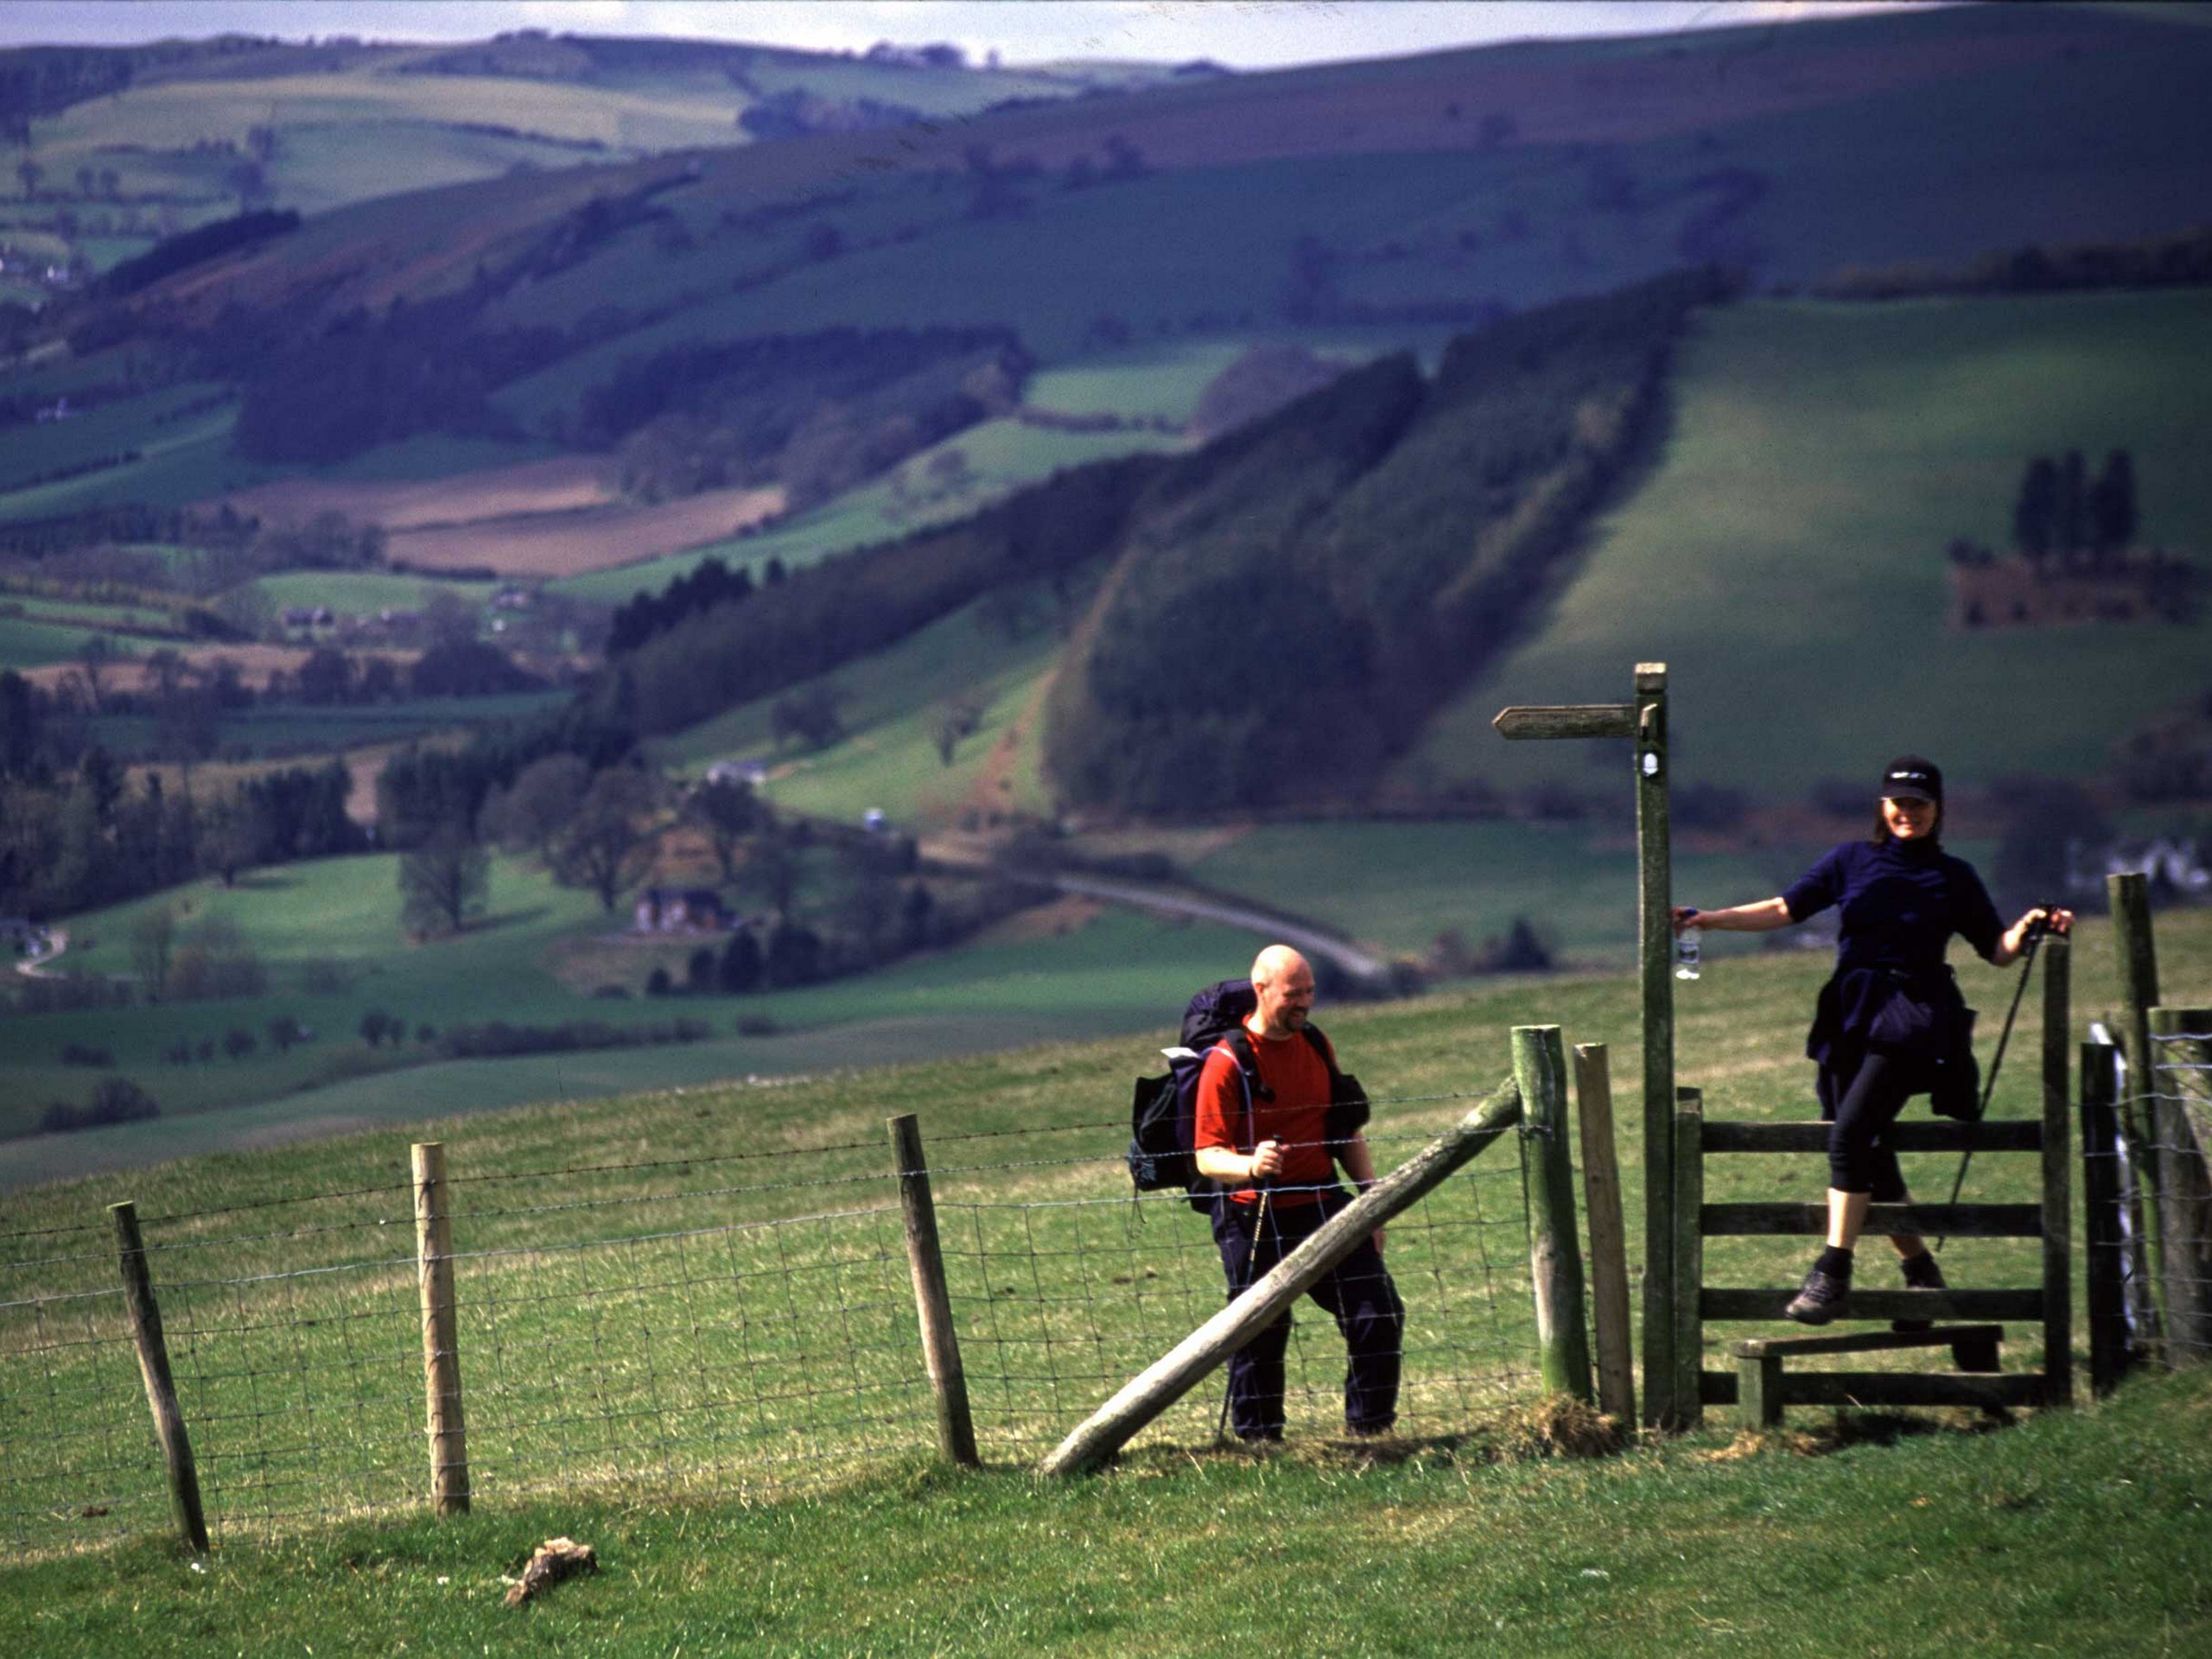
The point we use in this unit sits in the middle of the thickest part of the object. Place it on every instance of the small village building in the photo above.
(681, 910)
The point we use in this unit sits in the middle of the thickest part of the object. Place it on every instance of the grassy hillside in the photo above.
(1786, 556)
(183, 136)
(2078, 1532)
(2023, 1528)
(328, 933)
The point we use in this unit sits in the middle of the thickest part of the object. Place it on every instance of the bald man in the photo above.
(1269, 1146)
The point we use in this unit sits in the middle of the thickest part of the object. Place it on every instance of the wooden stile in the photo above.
(147, 1336)
(1554, 1245)
(1601, 1183)
(447, 1428)
(956, 1426)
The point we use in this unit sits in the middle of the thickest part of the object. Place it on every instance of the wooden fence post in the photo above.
(448, 1433)
(2057, 1173)
(1601, 1185)
(161, 1387)
(1655, 935)
(1689, 1248)
(956, 1429)
(2135, 948)
(1554, 1246)
(2104, 1271)
(2181, 1121)
(1185, 1366)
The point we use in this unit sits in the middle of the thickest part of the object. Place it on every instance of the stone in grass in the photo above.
(556, 1559)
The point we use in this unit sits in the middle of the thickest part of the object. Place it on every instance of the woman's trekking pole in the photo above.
(1251, 1260)
(2036, 930)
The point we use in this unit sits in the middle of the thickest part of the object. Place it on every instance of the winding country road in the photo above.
(1314, 942)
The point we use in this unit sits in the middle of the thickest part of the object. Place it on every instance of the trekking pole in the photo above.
(1251, 1260)
(2035, 932)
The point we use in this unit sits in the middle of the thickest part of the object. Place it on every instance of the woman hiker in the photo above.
(1891, 1022)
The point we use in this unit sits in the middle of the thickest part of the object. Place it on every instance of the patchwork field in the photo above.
(562, 484)
(1786, 556)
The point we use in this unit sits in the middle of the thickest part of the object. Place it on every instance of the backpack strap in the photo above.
(1238, 1042)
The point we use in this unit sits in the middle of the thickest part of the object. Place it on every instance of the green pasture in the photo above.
(363, 592)
(328, 934)
(436, 455)
(892, 704)
(148, 422)
(173, 115)
(1785, 555)
(120, 619)
(700, 1293)
(2079, 1532)
(183, 463)
(1400, 884)
(278, 730)
(1001, 455)
(28, 643)
(1143, 382)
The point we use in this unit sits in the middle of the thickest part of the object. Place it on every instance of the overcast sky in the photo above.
(1244, 34)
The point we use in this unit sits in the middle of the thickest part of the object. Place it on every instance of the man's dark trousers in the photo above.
(1356, 1292)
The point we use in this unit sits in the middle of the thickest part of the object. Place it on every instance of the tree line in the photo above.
(86, 838)
(1364, 549)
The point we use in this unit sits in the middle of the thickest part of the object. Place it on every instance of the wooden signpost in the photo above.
(1644, 720)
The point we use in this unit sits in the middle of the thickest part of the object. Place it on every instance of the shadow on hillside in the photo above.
(493, 921)
(264, 881)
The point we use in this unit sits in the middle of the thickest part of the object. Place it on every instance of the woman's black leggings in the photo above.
(1860, 1104)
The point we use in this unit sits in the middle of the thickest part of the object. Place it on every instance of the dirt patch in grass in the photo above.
(597, 538)
(255, 663)
(565, 484)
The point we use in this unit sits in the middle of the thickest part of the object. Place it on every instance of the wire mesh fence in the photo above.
(2175, 1124)
(742, 1324)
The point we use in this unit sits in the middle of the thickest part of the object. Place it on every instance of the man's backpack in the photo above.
(1164, 1111)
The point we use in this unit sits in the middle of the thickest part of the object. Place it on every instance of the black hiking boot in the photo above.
(1921, 1272)
(1821, 1299)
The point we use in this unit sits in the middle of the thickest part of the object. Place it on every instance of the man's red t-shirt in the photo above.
(1297, 1117)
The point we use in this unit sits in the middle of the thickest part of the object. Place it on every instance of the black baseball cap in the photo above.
(1913, 778)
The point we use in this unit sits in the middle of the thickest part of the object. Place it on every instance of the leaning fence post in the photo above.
(2104, 1275)
(160, 1386)
(956, 1429)
(1601, 1186)
(1555, 1251)
(2181, 1120)
(1168, 1378)
(441, 1331)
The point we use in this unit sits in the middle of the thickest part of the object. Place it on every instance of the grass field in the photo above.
(26, 643)
(363, 592)
(2078, 1532)
(1002, 456)
(1400, 884)
(328, 934)
(1787, 554)
(716, 1369)
(892, 702)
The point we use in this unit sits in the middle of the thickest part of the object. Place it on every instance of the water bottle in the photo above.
(1687, 951)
